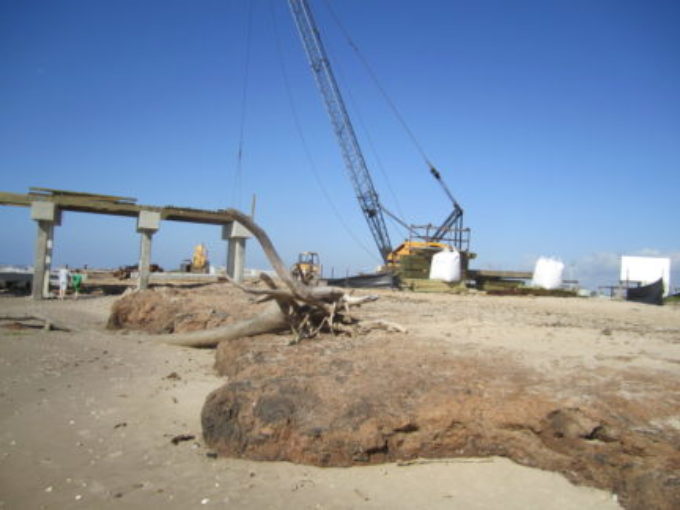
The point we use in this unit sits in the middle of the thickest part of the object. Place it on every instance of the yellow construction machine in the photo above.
(408, 248)
(199, 260)
(307, 269)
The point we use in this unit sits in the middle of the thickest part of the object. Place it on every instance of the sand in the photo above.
(89, 416)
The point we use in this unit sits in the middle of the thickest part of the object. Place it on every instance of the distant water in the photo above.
(11, 268)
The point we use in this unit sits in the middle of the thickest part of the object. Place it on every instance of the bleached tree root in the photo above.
(270, 320)
(303, 309)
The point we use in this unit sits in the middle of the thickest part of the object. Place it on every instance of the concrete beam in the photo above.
(45, 211)
(233, 230)
(148, 220)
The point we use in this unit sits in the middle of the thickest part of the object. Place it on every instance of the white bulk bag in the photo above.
(446, 266)
(548, 273)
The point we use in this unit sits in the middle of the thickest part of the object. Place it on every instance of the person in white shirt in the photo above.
(64, 277)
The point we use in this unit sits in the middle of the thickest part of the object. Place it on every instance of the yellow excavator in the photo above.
(307, 269)
(408, 248)
(199, 260)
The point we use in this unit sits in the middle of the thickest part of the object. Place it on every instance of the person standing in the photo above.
(77, 281)
(64, 277)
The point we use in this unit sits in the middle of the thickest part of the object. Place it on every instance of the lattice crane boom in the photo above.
(342, 125)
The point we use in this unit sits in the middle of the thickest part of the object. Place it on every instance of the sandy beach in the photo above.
(93, 418)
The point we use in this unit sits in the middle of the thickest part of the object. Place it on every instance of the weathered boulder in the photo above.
(378, 398)
(177, 310)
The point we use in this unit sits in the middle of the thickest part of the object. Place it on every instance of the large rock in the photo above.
(177, 310)
(341, 402)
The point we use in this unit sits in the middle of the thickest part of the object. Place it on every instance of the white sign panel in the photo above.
(646, 270)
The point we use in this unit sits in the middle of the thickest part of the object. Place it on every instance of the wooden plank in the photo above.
(194, 215)
(492, 273)
(14, 199)
(83, 204)
(35, 190)
(425, 285)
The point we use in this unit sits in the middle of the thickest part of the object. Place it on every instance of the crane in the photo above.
(342, 125)
(353, 157)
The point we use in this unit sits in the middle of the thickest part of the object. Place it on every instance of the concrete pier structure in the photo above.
(48, 204)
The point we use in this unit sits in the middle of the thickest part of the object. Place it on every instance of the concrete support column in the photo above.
(47, 216)
(236, 235)
(236, 258)
(144, 258)
(148, 223)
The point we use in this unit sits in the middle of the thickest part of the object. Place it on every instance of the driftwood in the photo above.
(303, 309)
(270, 320)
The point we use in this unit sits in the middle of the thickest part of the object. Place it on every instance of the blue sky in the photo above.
(555, 124)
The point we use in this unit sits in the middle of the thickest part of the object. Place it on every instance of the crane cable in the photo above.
(380, 88)
(305, 145)
(238, 174)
